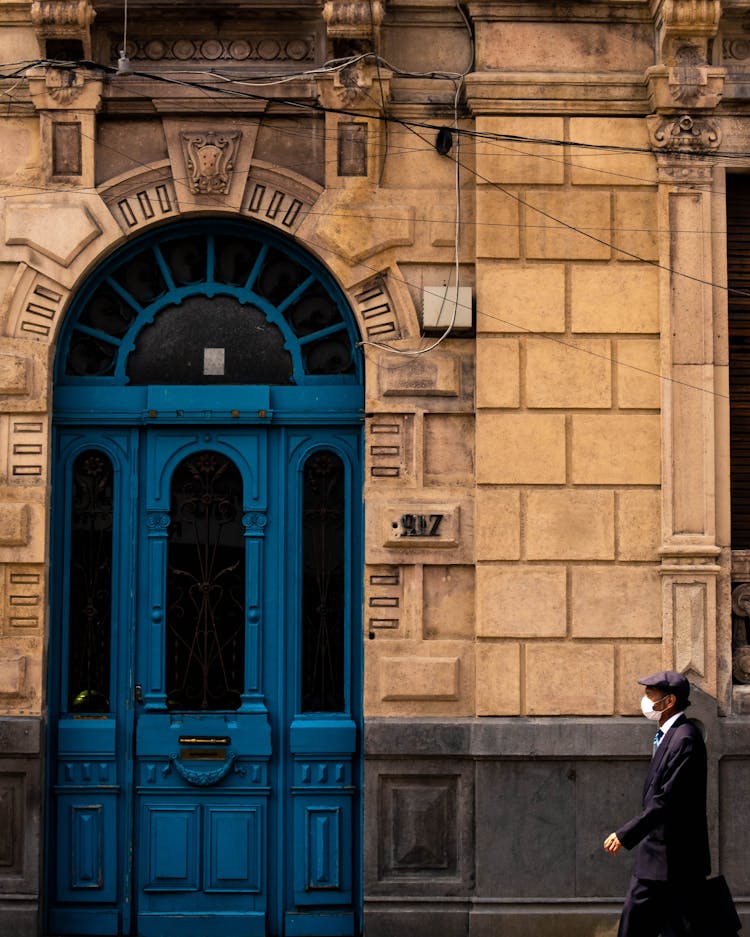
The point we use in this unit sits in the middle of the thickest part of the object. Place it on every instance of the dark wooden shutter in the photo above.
(738, 261)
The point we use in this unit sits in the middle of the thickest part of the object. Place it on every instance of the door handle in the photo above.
(138, 693)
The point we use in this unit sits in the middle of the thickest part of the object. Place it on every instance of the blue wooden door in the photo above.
(205, 692)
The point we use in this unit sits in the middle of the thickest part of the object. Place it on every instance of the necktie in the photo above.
(657, 738)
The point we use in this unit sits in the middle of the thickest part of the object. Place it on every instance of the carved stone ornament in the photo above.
(209, 158)
(684, 134)
(740, 621)
(360, 19)
(684, 76)
(741, 665)
(64, 85)
(63, 19)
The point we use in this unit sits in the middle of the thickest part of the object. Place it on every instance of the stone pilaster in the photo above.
(684, 89)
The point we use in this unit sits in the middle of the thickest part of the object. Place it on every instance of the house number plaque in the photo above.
(431, 526)
(419, 525)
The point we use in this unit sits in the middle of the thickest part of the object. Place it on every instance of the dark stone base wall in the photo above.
(20, 825)
(495, 826)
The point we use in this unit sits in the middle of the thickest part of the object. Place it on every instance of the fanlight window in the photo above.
(213, 303)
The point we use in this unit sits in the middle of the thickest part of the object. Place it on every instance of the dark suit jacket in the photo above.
(672, 829)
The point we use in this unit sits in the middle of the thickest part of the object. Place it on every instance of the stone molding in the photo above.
(241, 47)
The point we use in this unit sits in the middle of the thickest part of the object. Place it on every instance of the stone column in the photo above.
(684, 90)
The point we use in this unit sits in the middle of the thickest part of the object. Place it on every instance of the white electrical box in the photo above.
(439, 302)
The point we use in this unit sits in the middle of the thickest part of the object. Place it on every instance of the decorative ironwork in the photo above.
(90, 577)
(323, 583)
(205, 585)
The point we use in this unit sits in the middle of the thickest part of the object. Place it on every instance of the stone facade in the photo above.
(573, 441)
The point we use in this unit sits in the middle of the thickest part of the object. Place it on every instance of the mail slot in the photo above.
(204, 740)
(203, 754)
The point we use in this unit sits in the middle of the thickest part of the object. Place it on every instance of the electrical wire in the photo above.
(409, 125)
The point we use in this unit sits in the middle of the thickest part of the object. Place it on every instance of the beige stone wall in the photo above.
(557, 606)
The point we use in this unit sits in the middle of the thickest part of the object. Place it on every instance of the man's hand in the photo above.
(612, 844)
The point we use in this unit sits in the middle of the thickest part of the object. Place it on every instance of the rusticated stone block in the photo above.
(638, 373)
(638, 524)
(436, 375)
(573, 225)
(14, 524)
(498, 668)
(616, 449)
(634, 661)
(498, 383)
(498, 524)
(405, 677)
(615, 601)
(520, 298)
(419, 678)
(448, 447)
(568, 373)
(448, 602)
(570, 524)
(636, 226)
(498, 234)
(610, 167)
(516, 161)
(614, 298)
(520, 448)
(12, 677)
(56, 228)
(574, 678)
(521, 602)
(15, 375)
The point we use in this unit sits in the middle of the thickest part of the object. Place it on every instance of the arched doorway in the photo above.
(205, 657)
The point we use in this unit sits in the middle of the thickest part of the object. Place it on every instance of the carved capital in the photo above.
(684, 134)
(353, 19)
(63, 19)
(209, 158)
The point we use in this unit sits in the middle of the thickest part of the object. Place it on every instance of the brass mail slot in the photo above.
(204, 740)
(203, 754)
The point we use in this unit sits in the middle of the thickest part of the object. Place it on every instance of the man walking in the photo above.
(673, 860)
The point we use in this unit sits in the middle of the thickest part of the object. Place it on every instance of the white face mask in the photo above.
(647, 708)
